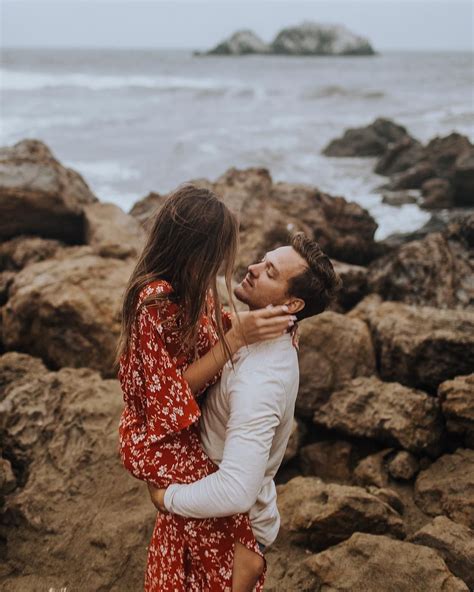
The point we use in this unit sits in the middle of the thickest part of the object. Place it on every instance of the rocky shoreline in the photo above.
(377, 489)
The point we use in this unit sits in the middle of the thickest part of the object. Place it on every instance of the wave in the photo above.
(334, 90)
(24, 81)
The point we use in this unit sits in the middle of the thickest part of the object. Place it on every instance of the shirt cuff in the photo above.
(168, 498)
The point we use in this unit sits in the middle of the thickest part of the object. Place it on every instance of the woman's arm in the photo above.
(248, 328)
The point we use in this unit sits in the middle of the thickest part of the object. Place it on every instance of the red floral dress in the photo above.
(160, 444)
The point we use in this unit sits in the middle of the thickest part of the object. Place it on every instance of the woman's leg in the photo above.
(248, 567)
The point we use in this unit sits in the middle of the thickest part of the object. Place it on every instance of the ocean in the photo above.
(133, 121)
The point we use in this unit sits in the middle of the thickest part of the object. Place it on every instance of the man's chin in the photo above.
(240, 294)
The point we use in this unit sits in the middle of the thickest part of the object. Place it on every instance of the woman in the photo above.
(175, 341)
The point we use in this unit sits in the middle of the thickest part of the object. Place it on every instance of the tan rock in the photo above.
(23, 250)
(354, 283)
(66, 310)
(412, 273)
(403, 466)
(447, 487)
(329, 460)
(457, 403)
(421, 346)
(81, 521)
(111, 232)
(368, 563)
(39, 196)
(333, 349)
(319, 515)
(372, 470)
(386, 411)
(454, 542)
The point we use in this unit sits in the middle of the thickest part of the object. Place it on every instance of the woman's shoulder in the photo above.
(158, 287)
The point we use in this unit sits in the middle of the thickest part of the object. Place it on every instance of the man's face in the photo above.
(266, 282)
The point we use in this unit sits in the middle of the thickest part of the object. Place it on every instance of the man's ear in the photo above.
(295, 305)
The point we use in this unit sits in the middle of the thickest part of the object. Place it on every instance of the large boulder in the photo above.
(354, 283)
(318, 514)
(449, 158)
(270, 212)
(457, 402)
(333, 349)
(66, 309)
(39, 196)
(76, 519)
(240, 43)
(454, 542)
(412, 272)
(399, 156)
(447, 487)
(370, 140)
(368, 563)
(421, 346)
(111, 232)
(144, 209)
(311, 38)
(463, 178)
(386, 411)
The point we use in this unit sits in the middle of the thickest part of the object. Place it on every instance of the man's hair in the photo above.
(318, 284)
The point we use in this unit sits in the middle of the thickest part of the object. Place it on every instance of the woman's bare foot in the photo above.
(248, 567)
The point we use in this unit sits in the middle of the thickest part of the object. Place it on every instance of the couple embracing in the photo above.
(209, 396)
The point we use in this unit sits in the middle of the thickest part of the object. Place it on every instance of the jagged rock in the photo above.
(270, 212)
(22, 250)
(463, 180)
(318, 515)
(371, 470)
(399, 198)
(403, 466)
(449, 159)
(59, 430)
(7, 478)
(454, 542)
(369, 563)
(329, 460)
(315, 39)
(111, 232)
(437, 193)
(144, 209)
(6, 280)
(421, 346)
(354, 283)
(386, 411)
(447, 487)
(457, 402)
(371, 140)
(39, 196)
(333, 349)
(240, 43)
(412, 273)
(399, 156)
(66, 309)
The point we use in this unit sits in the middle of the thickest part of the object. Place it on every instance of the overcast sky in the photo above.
(389, 24)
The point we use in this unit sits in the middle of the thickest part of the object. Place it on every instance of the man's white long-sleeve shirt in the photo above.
(245, 425)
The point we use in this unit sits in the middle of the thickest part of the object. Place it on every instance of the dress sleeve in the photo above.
(226, 319)
(169, 404)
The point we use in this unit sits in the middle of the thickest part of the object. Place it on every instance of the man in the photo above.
(247, 417)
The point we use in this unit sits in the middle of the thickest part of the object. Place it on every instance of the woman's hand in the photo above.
(157, 497)
(259, 325)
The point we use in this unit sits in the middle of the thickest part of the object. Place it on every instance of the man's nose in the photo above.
(253, 269)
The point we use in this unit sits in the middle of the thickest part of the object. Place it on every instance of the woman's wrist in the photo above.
(233, 340)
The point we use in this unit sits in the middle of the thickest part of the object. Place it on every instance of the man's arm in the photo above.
(256, 404)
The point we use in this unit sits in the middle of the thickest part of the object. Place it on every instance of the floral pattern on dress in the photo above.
(159, 443)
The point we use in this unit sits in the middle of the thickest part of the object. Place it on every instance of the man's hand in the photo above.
(158, 498)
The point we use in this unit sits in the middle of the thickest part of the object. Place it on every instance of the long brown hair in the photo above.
(192, 236)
